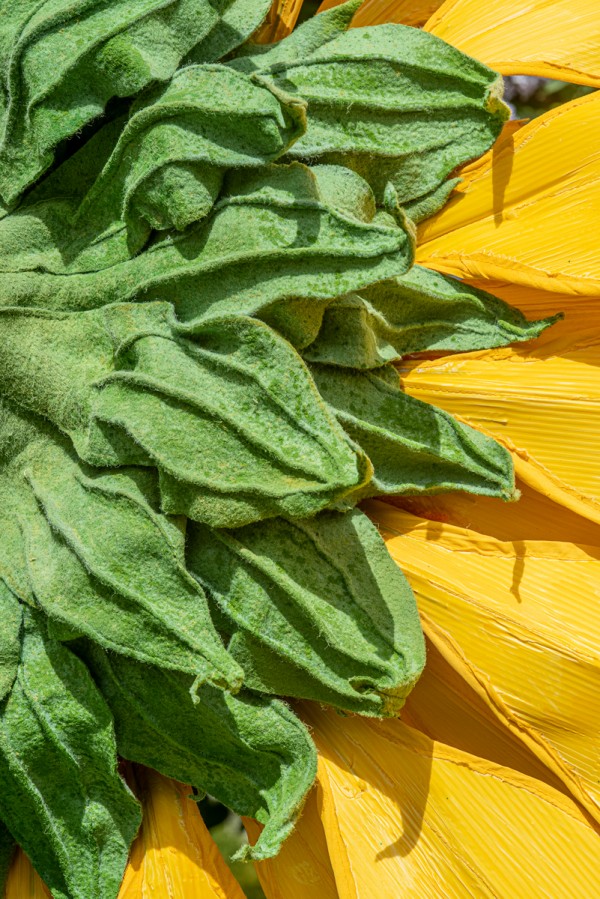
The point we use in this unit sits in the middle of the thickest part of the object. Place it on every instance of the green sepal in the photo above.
(61, 62)
(394, 103)
(237, 20)
(427, 311)
(353, 335)
(249, 752)
(88, 548)
(415, 448)
(60, 793)
(317, 609)
(420, 208)
(11, 618)
(422, 311)
(164, 169)
(270, 248)
(226, 411)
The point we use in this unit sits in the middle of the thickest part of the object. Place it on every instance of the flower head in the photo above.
(206, 299)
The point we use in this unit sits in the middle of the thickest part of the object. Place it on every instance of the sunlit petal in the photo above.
(545, 408)
(526, 616)
(174, 854)
(302, 867)
(378, 12)
(526, 213)
(407, 816)
(549, 38)
(578, 329)
(453, 704)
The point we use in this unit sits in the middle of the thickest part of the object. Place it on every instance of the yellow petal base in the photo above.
(23, 882)
(174, 855)
(378, 12)
(302, 867)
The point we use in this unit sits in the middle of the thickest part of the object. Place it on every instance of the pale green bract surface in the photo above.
(396, 104)
(231, 442)
(206, 273)
(354, 645)
(255, 254)
(164, 171)
(11, 616)
(421, 311)
(249, 752)
(414, 448)
(61, 795)
(61, 62)
(87, 547)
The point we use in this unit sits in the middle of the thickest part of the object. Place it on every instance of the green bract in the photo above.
(61, 796)
(251, 752)
(399, 106)
(419, 311)
(206, 273)
(413, 447)
(316, 608)
(61, 62)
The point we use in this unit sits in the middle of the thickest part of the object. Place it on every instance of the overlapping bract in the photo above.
(250, 752)
(160, 168)
(421, 311)
(177, 481)
(393, 103)
(353, 645)
(61, 795)
(60, 64)
(414, 448)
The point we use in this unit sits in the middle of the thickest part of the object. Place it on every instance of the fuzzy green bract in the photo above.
(398, 105)
(249, 752)
(355, 644)
(414, 448)
(206, 275)
(421, 311)
(61, 796)
(61, 63)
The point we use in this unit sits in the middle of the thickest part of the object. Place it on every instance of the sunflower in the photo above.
(487, 783)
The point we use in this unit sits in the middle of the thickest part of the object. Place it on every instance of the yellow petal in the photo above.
(23, 882)
(302, 867)
(526, 616)
(579, 327)
(544, 408)
(407, 816)
(526, 213)
(174, 854)
(377, 12)
(453, 704)
(280, 21)
(533, 517)
(550, 38)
